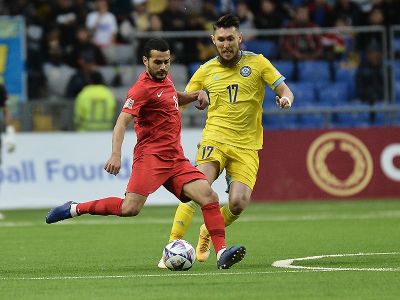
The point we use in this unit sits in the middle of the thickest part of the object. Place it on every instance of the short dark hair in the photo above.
(227, 21)
(155, 44)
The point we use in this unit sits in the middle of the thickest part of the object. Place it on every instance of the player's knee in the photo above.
(130, 209)
(207, 196)
(238, 203)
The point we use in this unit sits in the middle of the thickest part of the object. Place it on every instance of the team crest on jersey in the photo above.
(129, 103)
(245, 71)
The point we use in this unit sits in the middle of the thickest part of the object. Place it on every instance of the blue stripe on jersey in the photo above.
(278, 81)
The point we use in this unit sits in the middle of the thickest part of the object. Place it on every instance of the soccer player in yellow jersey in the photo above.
(233, 133)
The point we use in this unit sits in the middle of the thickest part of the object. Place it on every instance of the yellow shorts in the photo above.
(240, 164)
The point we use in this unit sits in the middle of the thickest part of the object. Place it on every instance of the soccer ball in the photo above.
(179, 255)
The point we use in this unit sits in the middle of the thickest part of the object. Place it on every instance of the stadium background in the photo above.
(358, 158)
(336, 143)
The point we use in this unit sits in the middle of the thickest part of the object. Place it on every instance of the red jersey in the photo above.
(154, 104)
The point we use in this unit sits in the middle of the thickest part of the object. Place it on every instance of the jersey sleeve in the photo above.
(135, 100)
(197, 81)
(269, 73)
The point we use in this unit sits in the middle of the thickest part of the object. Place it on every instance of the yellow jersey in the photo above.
(236, 98)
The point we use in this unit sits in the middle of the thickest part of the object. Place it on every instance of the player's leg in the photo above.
(241, 168)
(144, 180)
(130, 206)
(200, 191)
(184, 212)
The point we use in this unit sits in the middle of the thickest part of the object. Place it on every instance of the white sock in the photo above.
(73, 210)
(220, 253)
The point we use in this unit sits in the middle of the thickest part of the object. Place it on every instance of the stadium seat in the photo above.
(57, 78)
(281, 120)
(120, 93)
(312, 71)
(130, 73)
(108, 73)
(333, 94)
(397, 70)
(311, 121)
(193, 68)
(348, 76)
(179, 74)
(381, 118)
(285, 67)
(267, 48)
(353, 119)
(119, 54)
(397, 91)
(304, 93)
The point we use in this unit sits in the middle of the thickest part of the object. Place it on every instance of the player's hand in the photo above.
(203, 100)
(283, 102)
(113, 164)
(9, 139)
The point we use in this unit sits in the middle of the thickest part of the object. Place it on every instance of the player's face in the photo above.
(227, 41)
(158, 64)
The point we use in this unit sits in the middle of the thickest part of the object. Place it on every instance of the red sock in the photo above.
(104, 207)
(215, 225)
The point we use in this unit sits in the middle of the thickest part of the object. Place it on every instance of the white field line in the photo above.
(168, 219)
(172, 274)
(167, 274)
(287, 263)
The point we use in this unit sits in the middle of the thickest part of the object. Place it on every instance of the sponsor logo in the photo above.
(388, 157)
(326, 172)
(245, 71)
(129, 103)
(159, 94)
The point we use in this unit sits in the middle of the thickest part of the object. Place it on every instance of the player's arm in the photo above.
(113, 165)
(201, 96)
(284, 98)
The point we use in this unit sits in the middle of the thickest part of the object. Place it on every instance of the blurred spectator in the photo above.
(348, 9)
(320, 12)
(55, 53)
(301, 46)
(137, 20)
(155, 24)
(174, 18)
(84, 47)
(87, 68)
(334, 43)
(246, 17)
(226, 6)
(209, 13)
(156, 6)
(375, 18)
(65, 18)
(36, 21)
(102, 24)
(268, 16)
(369, 77)
(95, 106)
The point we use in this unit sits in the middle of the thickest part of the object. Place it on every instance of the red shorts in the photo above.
(149, 172)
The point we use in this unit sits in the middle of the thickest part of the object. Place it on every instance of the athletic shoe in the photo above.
(203, 245)
(161, 264)
(231, 256)
(59, 213)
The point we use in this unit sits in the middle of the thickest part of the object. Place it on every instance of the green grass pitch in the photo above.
(93, 257)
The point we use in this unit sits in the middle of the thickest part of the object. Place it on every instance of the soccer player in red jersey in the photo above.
(153, 105)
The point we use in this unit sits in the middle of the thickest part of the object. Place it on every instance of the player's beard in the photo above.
(159, 75)
(230, 62)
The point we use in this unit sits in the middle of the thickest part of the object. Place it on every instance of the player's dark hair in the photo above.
(227, 21)
(155, 44)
